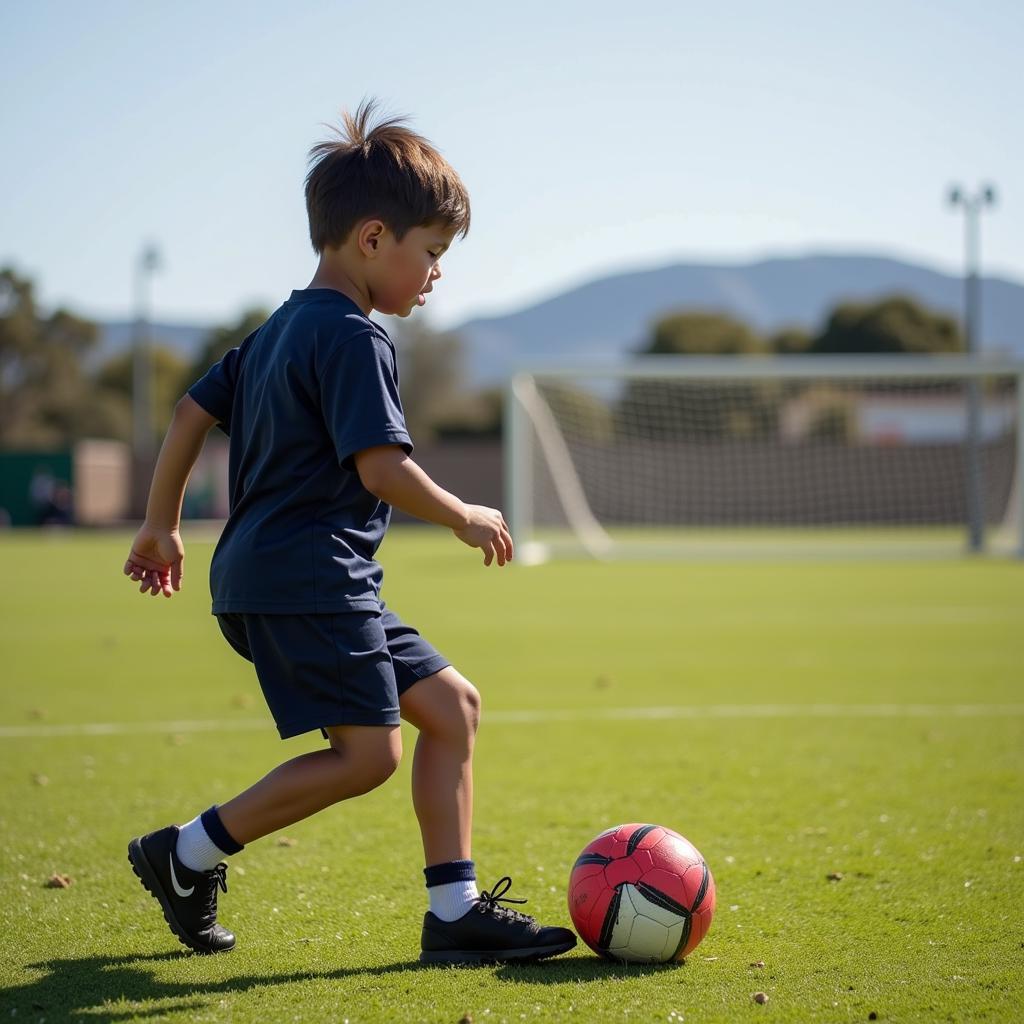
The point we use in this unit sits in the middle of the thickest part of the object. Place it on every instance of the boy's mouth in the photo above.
(420, 299)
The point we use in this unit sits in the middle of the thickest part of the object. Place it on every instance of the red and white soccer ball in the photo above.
(641, 893)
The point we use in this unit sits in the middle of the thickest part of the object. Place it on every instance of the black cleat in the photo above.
(490, 934)
(188, 898)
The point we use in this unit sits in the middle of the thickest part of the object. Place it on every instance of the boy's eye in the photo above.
(433, 255)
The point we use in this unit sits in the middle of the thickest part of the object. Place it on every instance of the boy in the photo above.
(319, 452)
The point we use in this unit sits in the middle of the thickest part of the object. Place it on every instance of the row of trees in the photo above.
(52, 391)
(42, 398)
(893, 325)
(710, 409)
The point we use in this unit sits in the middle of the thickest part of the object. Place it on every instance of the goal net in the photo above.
(687, 456)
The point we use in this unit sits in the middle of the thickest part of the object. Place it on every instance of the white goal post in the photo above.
(685, 456)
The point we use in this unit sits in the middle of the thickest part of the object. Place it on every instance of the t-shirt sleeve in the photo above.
(215, 390)
(359, 395)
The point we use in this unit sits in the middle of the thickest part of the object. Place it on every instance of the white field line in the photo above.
(525, 717)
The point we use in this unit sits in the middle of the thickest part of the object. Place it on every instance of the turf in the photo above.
(864, 720)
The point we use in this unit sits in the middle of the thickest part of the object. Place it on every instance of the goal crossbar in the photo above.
(538, 445)
(782, 367)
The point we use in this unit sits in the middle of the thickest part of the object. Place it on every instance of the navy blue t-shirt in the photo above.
(298, 398)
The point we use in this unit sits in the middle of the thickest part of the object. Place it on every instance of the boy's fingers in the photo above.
(134, 570)
(140, 564)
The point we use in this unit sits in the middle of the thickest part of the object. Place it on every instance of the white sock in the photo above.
(452, 900)
(196, 850)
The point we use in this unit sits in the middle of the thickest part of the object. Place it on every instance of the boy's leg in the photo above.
(312, 669)
(359, 759)
(445, 708)
(460, 927)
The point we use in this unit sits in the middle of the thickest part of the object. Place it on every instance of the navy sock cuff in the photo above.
(453, 871)
(218, 834)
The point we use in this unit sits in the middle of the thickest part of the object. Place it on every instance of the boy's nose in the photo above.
(436, 272)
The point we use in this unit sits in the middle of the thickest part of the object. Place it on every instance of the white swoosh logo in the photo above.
(174, 881)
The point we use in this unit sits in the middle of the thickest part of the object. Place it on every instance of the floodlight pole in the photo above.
(142, 381)
(972, 206)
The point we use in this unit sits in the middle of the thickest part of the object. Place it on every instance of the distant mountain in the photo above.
(608, 318)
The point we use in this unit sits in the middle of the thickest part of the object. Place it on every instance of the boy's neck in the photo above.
(332, 273)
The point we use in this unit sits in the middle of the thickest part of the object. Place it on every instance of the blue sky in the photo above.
(594, 137)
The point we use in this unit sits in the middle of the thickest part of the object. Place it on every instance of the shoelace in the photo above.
(219, 879)
(221, 873)
(489, 902)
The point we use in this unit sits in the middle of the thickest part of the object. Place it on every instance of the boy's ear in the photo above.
(369, 236)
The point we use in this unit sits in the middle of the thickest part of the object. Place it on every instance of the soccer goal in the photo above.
(803, 455)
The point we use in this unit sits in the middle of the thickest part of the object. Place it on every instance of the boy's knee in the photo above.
(388, 760)
(382, 759)
(463, 718)
(472, 706)
(445, 706)
(372, 760)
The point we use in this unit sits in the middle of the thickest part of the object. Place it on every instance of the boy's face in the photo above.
(404, 272)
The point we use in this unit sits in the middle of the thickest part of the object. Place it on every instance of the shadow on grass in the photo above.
(118, 988)
(577, 970)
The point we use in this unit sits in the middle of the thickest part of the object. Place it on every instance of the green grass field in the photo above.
(793, 720)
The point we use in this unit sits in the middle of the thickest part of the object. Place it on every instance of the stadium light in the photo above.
(972, 206)
(146, 265)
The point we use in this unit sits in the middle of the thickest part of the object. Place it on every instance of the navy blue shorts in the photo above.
(322, 670)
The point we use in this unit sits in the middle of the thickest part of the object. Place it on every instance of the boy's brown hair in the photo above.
(385, 171)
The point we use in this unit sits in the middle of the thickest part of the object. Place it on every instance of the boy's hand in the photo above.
(488, 531)
(156, 561)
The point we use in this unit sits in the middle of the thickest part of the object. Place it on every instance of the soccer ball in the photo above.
(641, 893)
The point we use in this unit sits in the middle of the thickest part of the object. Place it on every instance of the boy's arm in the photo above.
(388, 472)
(157, 556)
